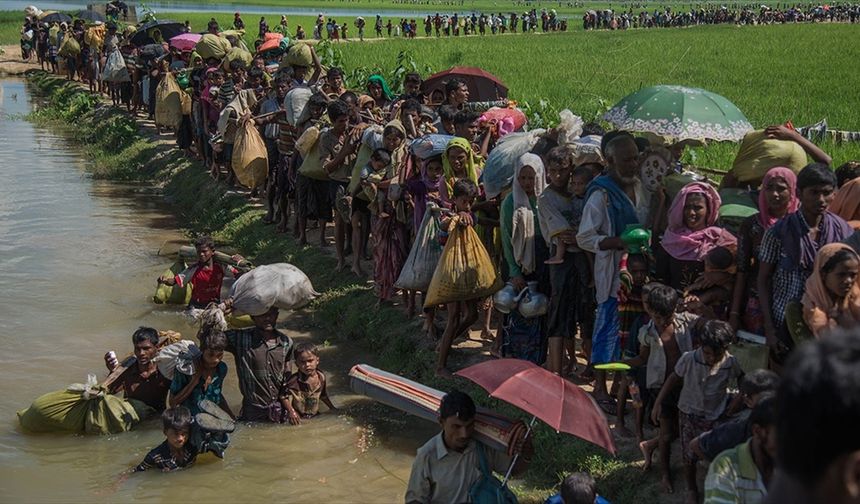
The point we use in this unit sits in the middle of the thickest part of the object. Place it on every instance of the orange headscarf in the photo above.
(820, 311)
(846, 204)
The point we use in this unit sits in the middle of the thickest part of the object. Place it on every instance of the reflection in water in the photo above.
(78, 259)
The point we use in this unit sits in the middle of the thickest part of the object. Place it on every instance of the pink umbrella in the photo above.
(185, 41)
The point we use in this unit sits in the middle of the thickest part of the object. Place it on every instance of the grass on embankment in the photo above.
(345, 313)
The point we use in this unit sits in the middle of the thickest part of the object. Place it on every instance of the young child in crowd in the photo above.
(706, 373)
(577, 488)
(371, 175)
(461, 314)
(304, 390)
(715, 285)
(662, 341)
(632, 317)
(579, 179)
(175, 452)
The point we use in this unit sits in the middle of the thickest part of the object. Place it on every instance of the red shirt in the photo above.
(206, 283)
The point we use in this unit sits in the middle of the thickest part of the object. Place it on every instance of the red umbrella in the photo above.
(558, 402)
(483, 86)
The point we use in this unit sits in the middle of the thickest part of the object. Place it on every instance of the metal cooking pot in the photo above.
(533, 303)
(505, 300)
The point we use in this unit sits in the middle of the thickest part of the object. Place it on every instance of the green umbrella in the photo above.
(681, 113)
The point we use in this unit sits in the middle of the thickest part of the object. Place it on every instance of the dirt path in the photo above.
(10, 61)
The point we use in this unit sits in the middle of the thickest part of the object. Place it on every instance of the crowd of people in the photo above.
(651, 278)
(737, 14)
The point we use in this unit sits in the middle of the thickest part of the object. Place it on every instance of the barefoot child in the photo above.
(175, 452)
(461, 314)
(304, 390)
(705, 373)
(632, 317)
(662, 342)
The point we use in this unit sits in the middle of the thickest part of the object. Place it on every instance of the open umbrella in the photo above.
(679, 112)
(547, 396)
(185, 41)
(90, 16)
(56, 17)
(483, 86)
(168, 29)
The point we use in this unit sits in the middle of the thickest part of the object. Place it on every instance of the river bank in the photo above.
(125, 148)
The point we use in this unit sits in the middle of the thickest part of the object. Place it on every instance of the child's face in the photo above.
(212, 358)
(307, 363)
(817, 198)
(639, 271)
(255, 82)
(660, 321)
(176, 438)
(434, 170)
(216, 80)
(711, 356)
(578, 185)
(464, 203)
(204, 254)
(377, 164)
(238, 75)
(267, 320)
(339, 124)
(842, 278)
(392, 141)
(559, 175)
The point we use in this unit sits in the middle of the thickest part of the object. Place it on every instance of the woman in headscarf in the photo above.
(392, 138)
(458, 161)
(832, 295)
(690, 235)
(525, 251)
(777, 198)
(846, 203)
(378, 89)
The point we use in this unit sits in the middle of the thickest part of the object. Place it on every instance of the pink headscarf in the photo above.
(765, 218)
(686, 245)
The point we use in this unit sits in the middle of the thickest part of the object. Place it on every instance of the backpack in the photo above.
(488, 489)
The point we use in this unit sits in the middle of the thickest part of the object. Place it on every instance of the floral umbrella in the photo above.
(681, 113)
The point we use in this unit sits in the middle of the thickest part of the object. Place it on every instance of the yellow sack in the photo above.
(212, 46)
(95, 37)
(173, 294)
(465, 270)
(308, 147)
(758, 154)
(168, 102)
(185, 102)
(70, 47)
(250, 158)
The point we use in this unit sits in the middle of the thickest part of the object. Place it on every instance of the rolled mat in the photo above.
(494, 430)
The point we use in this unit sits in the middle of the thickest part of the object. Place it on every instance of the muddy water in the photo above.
(78, 259)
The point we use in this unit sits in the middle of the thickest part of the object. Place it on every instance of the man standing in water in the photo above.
(142, 381)
(447, 466)
(263, 363)
(613, 202)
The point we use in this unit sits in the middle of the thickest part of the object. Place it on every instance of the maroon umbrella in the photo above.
(483, 86)
(558, 402)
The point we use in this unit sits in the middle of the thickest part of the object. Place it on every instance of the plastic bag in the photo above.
(569, 127)
(499, 168)
(115, 69)
(508, 119)
(308, 147)
(212, 46)
(168, 102)
(280, 285)
(250, 158)
(428, 146)
(83, 408)
(421, 263)
(758, 154)
(179, 355)
(465, 270)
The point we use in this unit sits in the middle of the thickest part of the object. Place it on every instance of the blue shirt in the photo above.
(212, 392)
(556, 499)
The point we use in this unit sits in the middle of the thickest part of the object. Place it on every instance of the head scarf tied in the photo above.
(687, 245)
(386, 91)
(764, 217)
(471, 166)
(523, 228)
(820, 311)
(846, 204)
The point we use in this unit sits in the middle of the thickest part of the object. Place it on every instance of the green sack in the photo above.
(167, 294)
(81, 408)
(212, 46)
(750, 356)
(237, 53)
(488, 489)
(299, 54)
